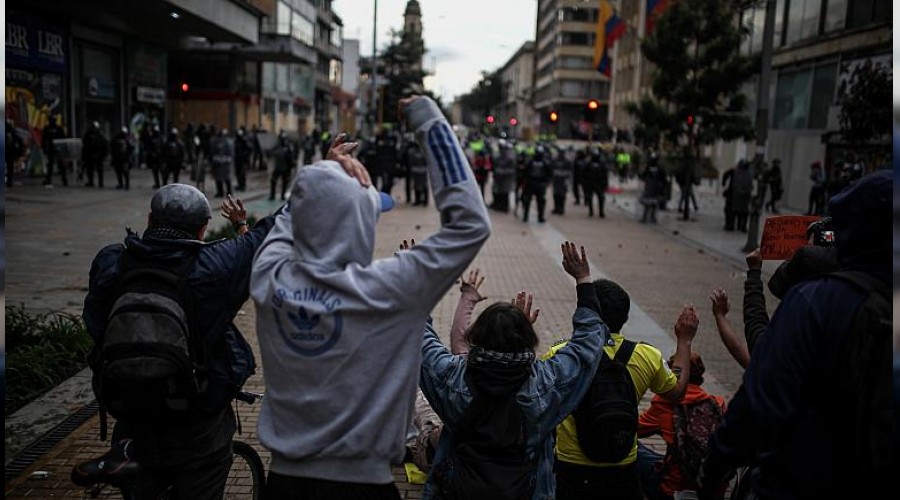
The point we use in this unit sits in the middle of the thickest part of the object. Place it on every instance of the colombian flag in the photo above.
(610, 28)
(654, 9)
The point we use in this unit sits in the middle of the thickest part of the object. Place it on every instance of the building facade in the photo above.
(110, 64)
(515, 112)
(632, 73)
(564, 76)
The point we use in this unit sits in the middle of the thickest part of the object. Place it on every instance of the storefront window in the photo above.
(792, 100)
(822, 95)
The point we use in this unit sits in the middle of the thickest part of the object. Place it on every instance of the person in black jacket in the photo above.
(51, 133)
(121, 150)
(538, 173)
(174, 157)
(242, 151)
(94, 149)
(797, 414)
(193, 458)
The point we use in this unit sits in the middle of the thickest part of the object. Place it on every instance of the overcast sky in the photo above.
(462, 37)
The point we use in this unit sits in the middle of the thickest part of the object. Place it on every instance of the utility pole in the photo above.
(762, 126)
(370, 111)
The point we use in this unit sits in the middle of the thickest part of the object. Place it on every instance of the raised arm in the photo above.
(685, 330)
(469, 296)
(735, 345)
(756, 318)
(427, 271)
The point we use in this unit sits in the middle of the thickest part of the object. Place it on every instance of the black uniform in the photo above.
(538, 173)
(242, 151)
(121, 150)
(94, 149)
(504, 179)
(562, 171)
(418, 173)
(174, 159)
(386, 160)
(154, 154)
(52, 132)
(284, 161)
(596, 181)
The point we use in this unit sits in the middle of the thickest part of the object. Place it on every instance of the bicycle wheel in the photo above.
(247, 476)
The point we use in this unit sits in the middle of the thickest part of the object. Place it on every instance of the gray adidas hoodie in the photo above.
(341, 334)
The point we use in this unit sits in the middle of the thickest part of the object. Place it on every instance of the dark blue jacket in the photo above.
(783, 416)
(219, 281)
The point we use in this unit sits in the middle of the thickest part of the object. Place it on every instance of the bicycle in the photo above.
(119, 469)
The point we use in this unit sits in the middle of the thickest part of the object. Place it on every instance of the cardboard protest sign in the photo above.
(783, 235)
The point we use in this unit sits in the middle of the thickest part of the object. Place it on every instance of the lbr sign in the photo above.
(34, 45)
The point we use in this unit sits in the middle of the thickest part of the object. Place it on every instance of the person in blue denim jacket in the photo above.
(501, 366)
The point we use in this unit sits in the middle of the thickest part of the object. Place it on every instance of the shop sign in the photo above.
(150, 95)
(35, 45)
(101, 88)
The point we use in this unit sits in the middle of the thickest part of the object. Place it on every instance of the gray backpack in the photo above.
(148, 363)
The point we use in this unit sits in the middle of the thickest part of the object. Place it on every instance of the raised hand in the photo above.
(719, 299)
(472, 283)
(574, 263)
(405, 245)
(754, 260)
(233, 210)
(523, 301)
(341, 152)
(687, 323)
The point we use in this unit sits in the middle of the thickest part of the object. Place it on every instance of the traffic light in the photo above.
(513, 121)
(591, 110)
(690, 120)
(554, 117)
(490, 119)
(185, 87)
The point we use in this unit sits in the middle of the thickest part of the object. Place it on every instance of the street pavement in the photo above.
(53, 234)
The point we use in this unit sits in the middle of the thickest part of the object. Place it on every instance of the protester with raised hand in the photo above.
(735, 345)
(339, 331)
(499, 405)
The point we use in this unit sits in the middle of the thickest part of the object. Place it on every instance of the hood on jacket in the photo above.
(807, 262)
(165, 251)
(333, 216)
(861, 217)
(497, 374)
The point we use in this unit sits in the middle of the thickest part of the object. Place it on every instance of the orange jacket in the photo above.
(659, 419)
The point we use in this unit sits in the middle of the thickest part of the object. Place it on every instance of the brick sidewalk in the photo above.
(512, 260)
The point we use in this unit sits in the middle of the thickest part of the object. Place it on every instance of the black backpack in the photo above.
(606, 418)
(148, 363)
(490, 459)
(865, 415)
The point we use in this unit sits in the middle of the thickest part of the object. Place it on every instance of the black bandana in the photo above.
(168, 233)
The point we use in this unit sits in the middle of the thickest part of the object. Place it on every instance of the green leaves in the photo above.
(41, 351)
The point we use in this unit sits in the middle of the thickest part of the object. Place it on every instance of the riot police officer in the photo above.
(538, 173)
(504, 177)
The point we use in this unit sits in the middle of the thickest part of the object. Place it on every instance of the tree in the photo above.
(864, 116)
(699, 71)
(486, 94)
(403, 70)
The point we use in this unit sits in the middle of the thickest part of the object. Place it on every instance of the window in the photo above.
(779, 23)
(576, 38)
(822, 95)
(865, 12)
(792, 99)
(574, 62)
(283, 19)
(281, 77)
(578, 14)
(803, 19)
(835, 15)
(268, 76)
(302, 29)
(334, 72)
(336, 36)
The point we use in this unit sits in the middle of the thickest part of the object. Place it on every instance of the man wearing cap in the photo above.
(340, 332)
(193, 459)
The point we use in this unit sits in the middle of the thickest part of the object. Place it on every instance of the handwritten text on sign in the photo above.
(782, 236)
